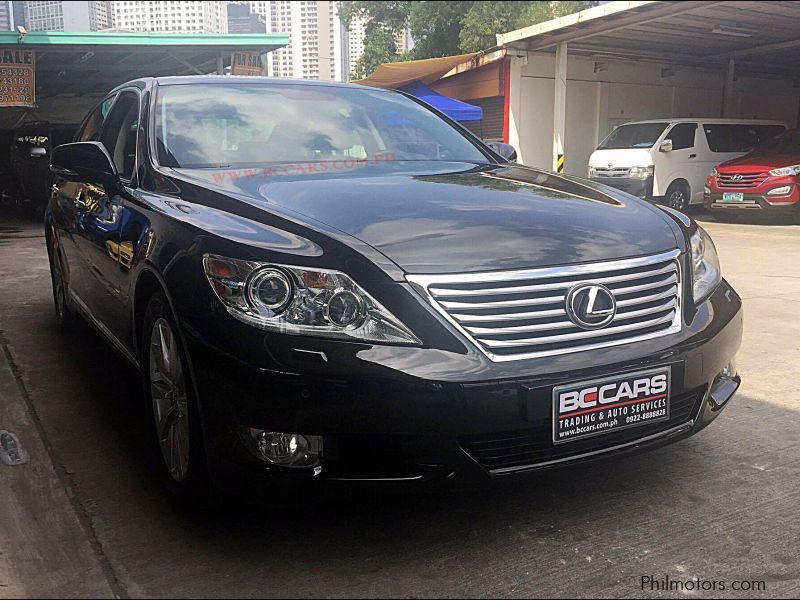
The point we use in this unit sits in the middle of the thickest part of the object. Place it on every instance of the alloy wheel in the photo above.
(170, 403)
(677, 200)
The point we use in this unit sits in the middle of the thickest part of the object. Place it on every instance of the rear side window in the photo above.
(682, 135)
(91, 127)
(727, 137)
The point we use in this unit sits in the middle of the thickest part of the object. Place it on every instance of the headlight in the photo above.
(301, 301)
(786, 171)
(640, 172)
(706, 273)
(591, 172)
(714, 173)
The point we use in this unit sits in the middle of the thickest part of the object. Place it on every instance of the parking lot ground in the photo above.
(721, 506)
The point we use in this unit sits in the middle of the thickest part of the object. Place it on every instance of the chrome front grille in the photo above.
(611, 172)
(522, 314)
(740, 180)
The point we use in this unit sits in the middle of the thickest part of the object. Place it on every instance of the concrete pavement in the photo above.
(720, 506)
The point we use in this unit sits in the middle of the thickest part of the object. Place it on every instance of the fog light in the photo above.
(707, 190)
(780, 191)
(287, 449)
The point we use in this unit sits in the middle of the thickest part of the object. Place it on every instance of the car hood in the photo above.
(759, 163)
(448, 217)
(621, 157)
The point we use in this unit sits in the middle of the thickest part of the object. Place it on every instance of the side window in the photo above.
(682, 135)
(119, 133)
(90, 132)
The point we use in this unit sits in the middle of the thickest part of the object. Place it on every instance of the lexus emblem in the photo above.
(591, 305)
(736, 177)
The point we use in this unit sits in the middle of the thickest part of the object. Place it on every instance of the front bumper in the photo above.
(751, 201)
(642, 188)
(411, 414)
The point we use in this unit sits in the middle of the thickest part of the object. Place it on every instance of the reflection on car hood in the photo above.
(448, 217)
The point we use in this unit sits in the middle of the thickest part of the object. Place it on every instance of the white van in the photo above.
(669, 159)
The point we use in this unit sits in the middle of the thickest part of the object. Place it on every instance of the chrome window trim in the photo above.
(421, 283)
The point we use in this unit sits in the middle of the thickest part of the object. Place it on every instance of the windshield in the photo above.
(785, 144)
(639, 135)
(222, 125)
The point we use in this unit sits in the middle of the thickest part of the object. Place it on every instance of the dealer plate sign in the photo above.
(599, 406)
(17, 77)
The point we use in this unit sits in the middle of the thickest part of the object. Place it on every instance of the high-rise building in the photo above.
(356, 37)
(318, 40)
(242, 19)
(18, 13)
(6, 16)
(67, 16)
(171, 17)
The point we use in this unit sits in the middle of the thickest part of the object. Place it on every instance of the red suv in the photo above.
(767, 178)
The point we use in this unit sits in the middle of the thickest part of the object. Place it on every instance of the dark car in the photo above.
(30, 180)
(324, 281)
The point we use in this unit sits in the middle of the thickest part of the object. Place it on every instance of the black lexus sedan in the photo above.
(324, 281)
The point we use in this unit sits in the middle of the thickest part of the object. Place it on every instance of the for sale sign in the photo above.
(17, 77)
(246, 63)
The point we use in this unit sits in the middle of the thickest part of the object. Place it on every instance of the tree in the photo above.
(435, 27)
(441, 28)
(538, 12)
(485, 19)
(391, 15)
(379, 48)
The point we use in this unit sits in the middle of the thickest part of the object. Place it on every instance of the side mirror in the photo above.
(666, 146)
(85, 162)
(38, 152)
(507, 151)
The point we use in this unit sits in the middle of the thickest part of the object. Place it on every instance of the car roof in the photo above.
(710, 120)
(222, 79)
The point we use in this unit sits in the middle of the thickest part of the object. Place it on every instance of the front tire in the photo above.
(65, 315)
(678, 196)
(174, 423)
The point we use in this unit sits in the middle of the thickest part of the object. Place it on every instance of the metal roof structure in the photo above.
(762, 37)
(80, 64)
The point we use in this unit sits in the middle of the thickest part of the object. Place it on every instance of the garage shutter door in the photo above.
(491, 127)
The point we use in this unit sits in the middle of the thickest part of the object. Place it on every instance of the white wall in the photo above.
(623, 91)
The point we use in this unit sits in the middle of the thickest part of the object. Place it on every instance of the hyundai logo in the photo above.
(736, 177)
(591, 305)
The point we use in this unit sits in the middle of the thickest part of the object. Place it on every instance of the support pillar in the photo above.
(560, 108)
(727, 91)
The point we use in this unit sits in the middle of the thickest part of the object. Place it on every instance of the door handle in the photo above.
(693, 156)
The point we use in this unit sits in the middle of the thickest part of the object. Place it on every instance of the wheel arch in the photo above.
(679, 181)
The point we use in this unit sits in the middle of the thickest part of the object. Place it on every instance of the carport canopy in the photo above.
(761, 36)
(87, 65)
(739, 37)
